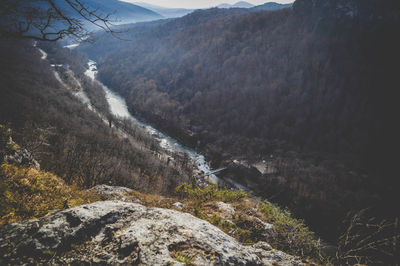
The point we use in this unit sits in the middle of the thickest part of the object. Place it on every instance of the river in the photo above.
(119, 108)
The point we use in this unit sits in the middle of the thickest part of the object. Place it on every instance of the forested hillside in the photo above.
(309, 82)
(297, 107)
(272, 6)
(312, 85)
(63, 134)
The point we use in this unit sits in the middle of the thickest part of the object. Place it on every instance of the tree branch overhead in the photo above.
(49, 20)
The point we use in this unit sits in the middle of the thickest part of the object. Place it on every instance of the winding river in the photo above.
(119, 108)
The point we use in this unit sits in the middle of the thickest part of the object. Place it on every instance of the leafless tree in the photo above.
(369, 240)
(50, 20)
(37, 140)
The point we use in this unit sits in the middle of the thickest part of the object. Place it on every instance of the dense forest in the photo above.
(309, 89)
(64, 135)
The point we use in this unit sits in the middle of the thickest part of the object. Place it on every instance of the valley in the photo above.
(280, 89)
(274, 123)
(169, 149)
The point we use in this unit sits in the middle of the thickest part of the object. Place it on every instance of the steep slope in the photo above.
(117, 230)
(313, 86)
(224, 50)
(60, 234)
(65, 136)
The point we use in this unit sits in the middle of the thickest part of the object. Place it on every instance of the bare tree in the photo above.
(50, 20)
(37, 140)
(369, 240)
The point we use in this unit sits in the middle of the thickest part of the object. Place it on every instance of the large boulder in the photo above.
(117, 232)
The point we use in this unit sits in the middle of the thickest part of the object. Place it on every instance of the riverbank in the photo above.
(119, 109)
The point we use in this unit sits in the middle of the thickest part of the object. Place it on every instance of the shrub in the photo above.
(209, 193)
(27, 193)
(292, 235)
(186, 259)
(369, 240)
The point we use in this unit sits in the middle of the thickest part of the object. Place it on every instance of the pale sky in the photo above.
(202, 3)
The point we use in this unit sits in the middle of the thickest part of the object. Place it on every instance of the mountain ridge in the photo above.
(240, 4)
(120, 12)
(166, 12)
(272, 6)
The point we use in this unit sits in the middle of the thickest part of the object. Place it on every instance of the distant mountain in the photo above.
(121, 12)
(241, 4)
(271, 6)
(166, 12)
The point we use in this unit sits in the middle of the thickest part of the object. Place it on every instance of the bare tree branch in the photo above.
(50, 20)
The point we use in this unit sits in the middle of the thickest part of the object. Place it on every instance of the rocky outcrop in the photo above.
(117, 232)
(111, 192)
(21, 156)
(11, 152)
(178, 205)
(227, 211)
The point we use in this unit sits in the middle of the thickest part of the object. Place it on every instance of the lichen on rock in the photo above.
(117, 232)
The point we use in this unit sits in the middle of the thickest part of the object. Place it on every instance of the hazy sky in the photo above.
(202, 3)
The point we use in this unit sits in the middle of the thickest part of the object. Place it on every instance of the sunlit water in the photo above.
(44, 54)
(72, 46)
(119, 108)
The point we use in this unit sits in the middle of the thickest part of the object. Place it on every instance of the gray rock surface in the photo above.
(22, 157)
(111, 192)
(122, 233)
(268, 228)
(18, 155)
(178, 205)
(227, 211)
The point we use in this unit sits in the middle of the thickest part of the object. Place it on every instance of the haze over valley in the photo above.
(271, 123)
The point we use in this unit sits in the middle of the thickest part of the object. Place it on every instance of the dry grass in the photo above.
(246, 224)
(369, 240)
(26, 193)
